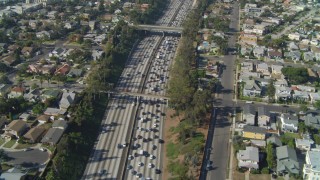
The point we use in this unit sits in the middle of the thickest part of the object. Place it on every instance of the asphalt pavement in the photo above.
(30, 158)
(130, 140)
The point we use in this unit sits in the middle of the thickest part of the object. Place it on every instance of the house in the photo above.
(311, 121)
(289, 123)
(13, 174)
(282, 93)
(34, 134)
(57, 52)
(314, 97)
(24, 116)
(274, 54)
(292, 46)
(316, 52)
(67, 99)
(254, 132)
(258, 143)
(276, 69)
(249, 39)
(247, 66)
(43, 119)
(249, 114)
(294, 36)
(287, 160)
(27, 51)
(61, 124)
(263, 117)
(259, 51)
(15, 128)
(63, 70)
(308, 56)
(300, 95)
(4, 89)
(293, 55)
(16, 92)
(75, 73)
(43, 35)
(53, 136)
(32, 96)
(248, 158)
(281, 83)
(54, 111)
(50, 94)
(275, 140)
(263, 68)
(311, 168)
(304, 144)
(251, 88)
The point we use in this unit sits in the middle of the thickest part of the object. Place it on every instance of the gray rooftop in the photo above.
(53, 136)
(254, 129)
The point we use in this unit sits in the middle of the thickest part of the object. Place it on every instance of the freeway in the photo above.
(135, 115)
(106, 157)
(145, 154)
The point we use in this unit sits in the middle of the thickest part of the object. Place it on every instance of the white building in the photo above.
(311, 169)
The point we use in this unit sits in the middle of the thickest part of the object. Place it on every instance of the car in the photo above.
(43, 149)
(27, 149)
(209, 165)
(133, 172)
(130, 157)
(139, 175)
(150, 165)
(152, 157)
(249, 102)
(102, 172)
(155, 125)
(129, 167)
(140, 164)
(154, 147)
(161, 141)
(139, 137)
(158, 171)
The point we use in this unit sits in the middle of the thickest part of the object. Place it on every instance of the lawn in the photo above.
(172, 150)
(292, 135)
(2, 141)
(25, 145)
(5, 167)
(10, 144)
(50, 148)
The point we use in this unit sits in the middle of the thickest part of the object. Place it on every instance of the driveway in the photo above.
(31, 158)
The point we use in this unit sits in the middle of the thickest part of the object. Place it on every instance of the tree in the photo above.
(303, 107)
(271, 90)
(317, 105)
(270, 156)
(316, 138)
(296, 75)
(4, 79)
(302, 127)
(38, 108)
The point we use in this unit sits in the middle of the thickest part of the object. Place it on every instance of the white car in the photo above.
(152, 157)
(150, 165)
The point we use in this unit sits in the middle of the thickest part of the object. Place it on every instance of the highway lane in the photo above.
(107, 160)
(106, 156)
(146, 138)
(159, 72)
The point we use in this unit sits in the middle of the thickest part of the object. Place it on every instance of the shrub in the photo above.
(265, 170)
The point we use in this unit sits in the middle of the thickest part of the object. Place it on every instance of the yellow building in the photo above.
(254, 132)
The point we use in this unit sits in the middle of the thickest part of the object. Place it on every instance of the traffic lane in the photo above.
(31, 158)
(220, 153)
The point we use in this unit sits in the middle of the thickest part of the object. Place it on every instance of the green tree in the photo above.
(317, 105)
(271, 160)
(271, 90)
